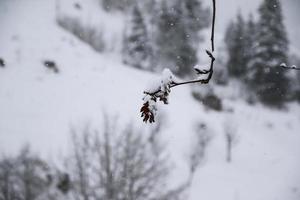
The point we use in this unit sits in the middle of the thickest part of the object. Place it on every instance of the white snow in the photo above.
(162, 82)
(38, 107)
(91, 14)
(283, 65)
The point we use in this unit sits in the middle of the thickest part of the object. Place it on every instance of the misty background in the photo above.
(72, 77)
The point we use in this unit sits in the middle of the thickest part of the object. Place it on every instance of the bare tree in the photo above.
(23, 177)
(112, 164)
(79, 164)
(8, 189)
(231, 139)
(198, 150)
(128, 164)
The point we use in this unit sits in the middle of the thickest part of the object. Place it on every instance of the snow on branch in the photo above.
(283, 65)
(160, 91)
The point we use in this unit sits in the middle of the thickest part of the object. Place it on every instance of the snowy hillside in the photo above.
(39, 107)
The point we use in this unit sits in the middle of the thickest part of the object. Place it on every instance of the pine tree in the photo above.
(269, 81)
(236, 45)
(250, 37)
(137, 49)
(197, 18)
(174, 45)
(109, 5)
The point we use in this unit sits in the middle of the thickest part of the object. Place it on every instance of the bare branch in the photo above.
(283, 65)
(162, 93)
(213, 26)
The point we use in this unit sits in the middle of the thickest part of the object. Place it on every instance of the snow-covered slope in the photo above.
(38, 106)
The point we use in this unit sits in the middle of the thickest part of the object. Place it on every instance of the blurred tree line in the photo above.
(158, 33)
(110, 163)
(256, 49)
(165, 34)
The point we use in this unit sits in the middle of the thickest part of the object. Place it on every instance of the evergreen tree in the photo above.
(269, 81)
(173, 41)
(109, 5)
(236, 45)
(197, 18)
(137, 49)
(250, 33)
(229, 41)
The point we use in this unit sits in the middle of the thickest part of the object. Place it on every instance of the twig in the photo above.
(210, 71)
(149, 108)
(290, 67)
(202, 81)
(213, 26)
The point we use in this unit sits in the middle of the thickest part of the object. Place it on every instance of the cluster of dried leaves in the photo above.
(149, 107)
(147, 113)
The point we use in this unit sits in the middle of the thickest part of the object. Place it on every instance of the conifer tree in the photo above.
(109, 5)
(197, 18)
(136, 48)
(268, 80)
(236, 45)
(174, 45)
(250, 43)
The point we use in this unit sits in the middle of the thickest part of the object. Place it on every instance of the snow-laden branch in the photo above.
(162, 90)
(283, 65)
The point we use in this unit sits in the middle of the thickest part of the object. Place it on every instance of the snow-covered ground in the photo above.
(38, 106)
